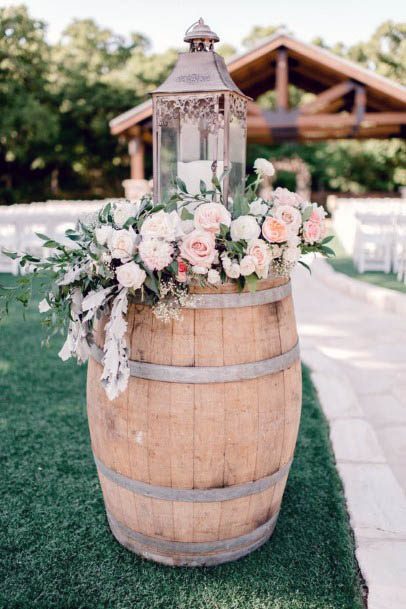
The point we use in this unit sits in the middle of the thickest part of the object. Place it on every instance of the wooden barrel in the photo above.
(193, 458)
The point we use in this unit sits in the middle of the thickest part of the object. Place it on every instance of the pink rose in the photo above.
(209, 216)
(274, 230)
(259, 250)
(290, 216)
(283, 196)
(198, 248)
(313, 231)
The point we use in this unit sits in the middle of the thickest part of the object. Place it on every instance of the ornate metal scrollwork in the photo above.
(197, 108)
(238, 109)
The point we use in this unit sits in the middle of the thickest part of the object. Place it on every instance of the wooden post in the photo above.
(136, 152)
(360, 102)
(282, 80)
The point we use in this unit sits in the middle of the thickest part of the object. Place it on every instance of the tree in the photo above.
(29, 125)
(259, 32)
(385, 52)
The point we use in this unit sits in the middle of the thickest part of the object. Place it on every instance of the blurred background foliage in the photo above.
(56, 102)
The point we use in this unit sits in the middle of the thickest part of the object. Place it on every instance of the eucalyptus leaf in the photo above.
(186, 214)
(307, 213)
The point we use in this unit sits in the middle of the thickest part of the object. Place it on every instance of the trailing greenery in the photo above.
(57, 551)
(57, 101)
(344, 264)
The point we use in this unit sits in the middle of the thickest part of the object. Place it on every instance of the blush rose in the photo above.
(198, 248)
(209, 216)
(274, 230)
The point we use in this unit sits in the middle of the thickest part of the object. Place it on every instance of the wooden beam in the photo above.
(136, 152)
(325, 99)
(282, 80)
(322, 121)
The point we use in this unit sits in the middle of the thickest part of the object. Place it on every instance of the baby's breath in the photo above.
(173, 299)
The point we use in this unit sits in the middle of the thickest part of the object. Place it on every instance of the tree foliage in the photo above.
(57, 100)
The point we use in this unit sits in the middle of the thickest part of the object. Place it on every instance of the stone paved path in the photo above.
(357, 354)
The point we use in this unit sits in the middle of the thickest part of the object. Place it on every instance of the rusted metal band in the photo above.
(243, 299)
(192, 553)
(197, 495)
(208, 374)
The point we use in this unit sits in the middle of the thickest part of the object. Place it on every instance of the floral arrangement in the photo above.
(152, 253)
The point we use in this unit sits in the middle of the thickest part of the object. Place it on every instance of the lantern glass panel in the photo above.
(199, 147)
(168, 159)
(237, 155)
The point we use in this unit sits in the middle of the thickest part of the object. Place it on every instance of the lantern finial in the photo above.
(200, 37)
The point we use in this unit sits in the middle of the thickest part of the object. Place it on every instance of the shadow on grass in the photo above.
(57, 551)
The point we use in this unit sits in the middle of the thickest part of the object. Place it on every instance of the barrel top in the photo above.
(233, 288)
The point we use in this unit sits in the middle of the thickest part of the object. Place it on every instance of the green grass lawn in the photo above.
(344, 264)
(57, 551)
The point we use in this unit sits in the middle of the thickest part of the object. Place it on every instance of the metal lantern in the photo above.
(199, 121)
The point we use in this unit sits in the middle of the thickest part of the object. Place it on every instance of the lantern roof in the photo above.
(201, 69)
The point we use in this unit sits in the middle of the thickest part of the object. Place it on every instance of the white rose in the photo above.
(43, 306)
(103, 234)
(247, 265)
(123, 211)
(258, 208)
(233, 271)
(162, 225)
(225, 260)
(264, 167)
(244, 227)
(199, 270)
(213, 277)
(130, 275)
(291, 254)
(122, 243)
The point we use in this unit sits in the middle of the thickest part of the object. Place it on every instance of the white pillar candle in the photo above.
(191, 173)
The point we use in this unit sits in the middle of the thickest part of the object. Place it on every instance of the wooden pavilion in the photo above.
(350, 101)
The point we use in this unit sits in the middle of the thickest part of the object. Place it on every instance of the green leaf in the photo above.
(306, 266)
(12, 255)
(181, 185)
(307, 213)
(72, 235)
(251, 281)
(186, 214)
(328, 239)
(130, 222)
(327, 250)
(42, 236)
(172, 205)
(151, 283)
(51, 243)
(216, 183)
(173, 267)
(240, 205)
(203, 187)
(31, 258)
